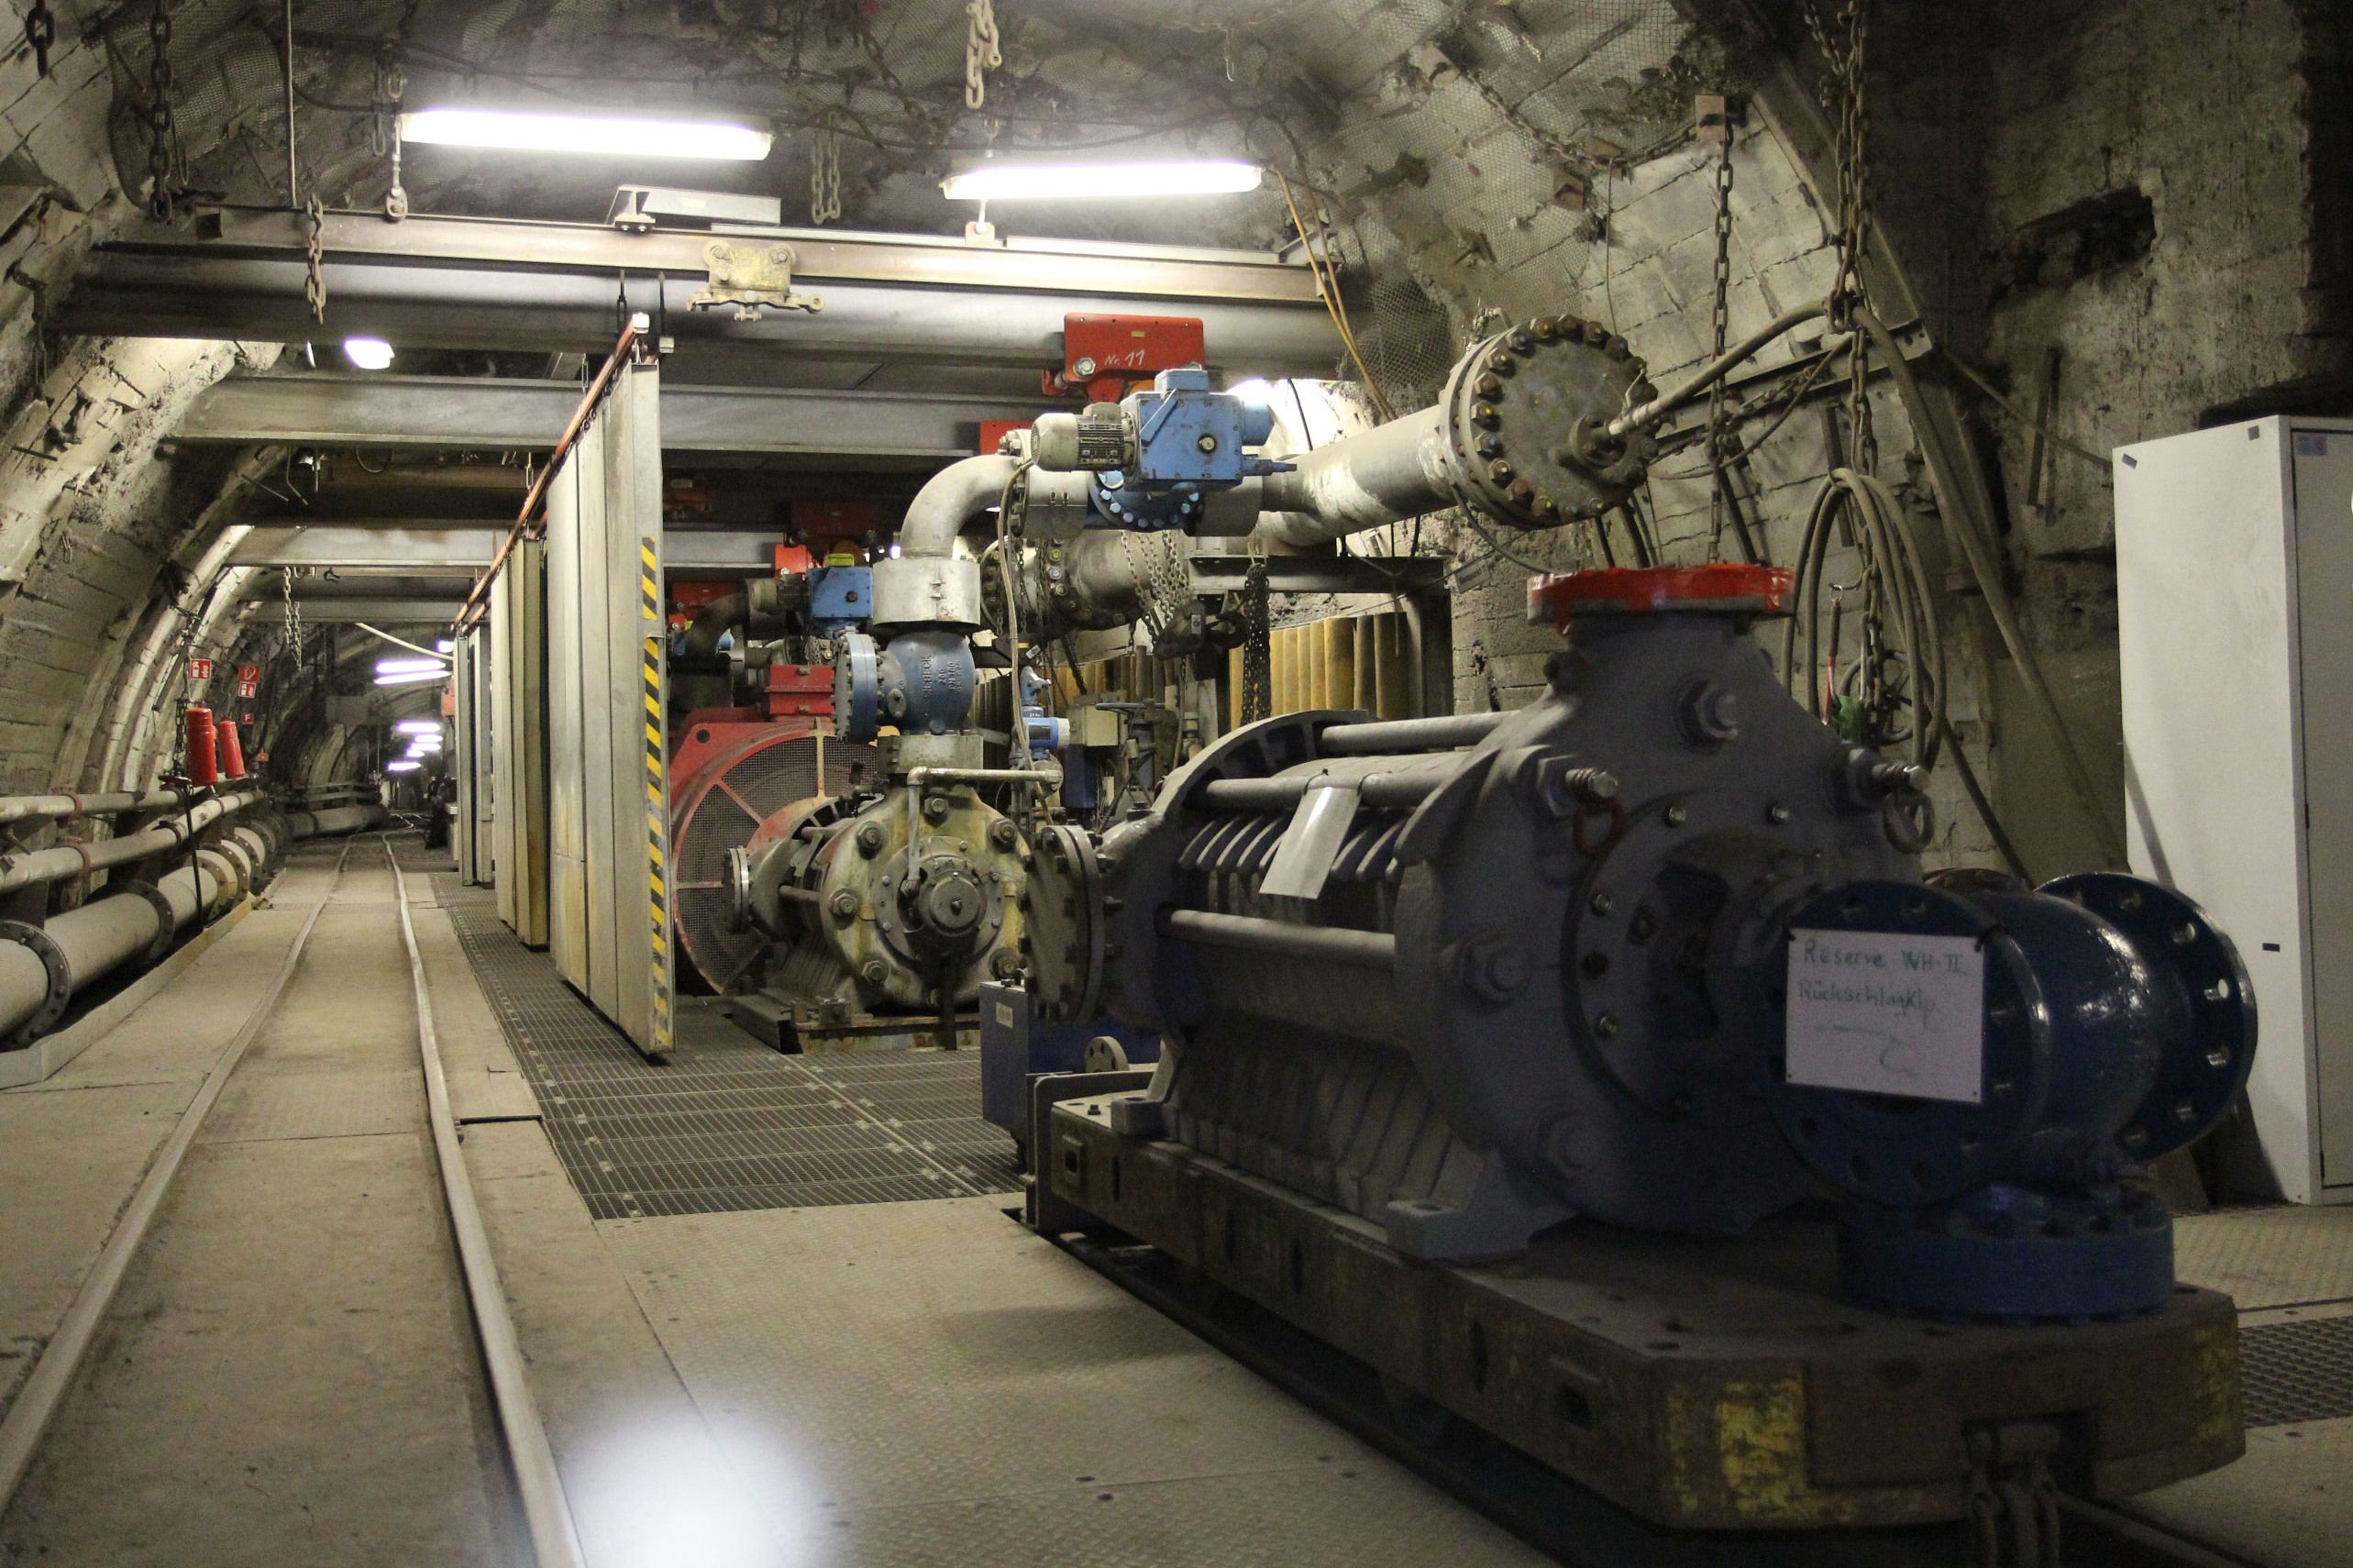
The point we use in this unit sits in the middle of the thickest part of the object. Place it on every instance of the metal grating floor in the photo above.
(727, 1124)
(2293, 1373)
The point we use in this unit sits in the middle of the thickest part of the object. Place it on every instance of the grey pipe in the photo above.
(333, 820)
(1335, 945)
(1401, 469)
(948, 500)
(68, 808)
(714, 621)
(92, 942)
(1443, 733)
(55, 865)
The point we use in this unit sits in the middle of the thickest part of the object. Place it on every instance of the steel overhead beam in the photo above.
(491, 283)
(376, 612)
(429, 552)
(463, 412)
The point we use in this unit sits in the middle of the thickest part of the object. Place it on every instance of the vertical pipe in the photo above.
(294, 178)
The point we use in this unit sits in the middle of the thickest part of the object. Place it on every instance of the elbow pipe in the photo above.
(714, 621)
(948, 501)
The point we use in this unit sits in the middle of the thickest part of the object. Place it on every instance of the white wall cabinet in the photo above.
(2235, 600)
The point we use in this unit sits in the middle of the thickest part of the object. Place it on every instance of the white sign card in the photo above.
(1887, 1014)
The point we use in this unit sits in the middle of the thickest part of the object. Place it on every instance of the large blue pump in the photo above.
(2116, 1026)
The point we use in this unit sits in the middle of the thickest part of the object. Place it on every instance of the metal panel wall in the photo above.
(469, 758)
(603, 533)
(518, 742)
(568, 939)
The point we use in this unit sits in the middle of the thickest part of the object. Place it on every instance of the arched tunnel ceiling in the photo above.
(1384, 116)
(1475, 157)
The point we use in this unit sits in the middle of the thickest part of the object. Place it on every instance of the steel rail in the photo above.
(44, 1391)
(547, 1514)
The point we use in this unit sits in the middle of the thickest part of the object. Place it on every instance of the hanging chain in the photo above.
(1722, 500)
(314, 282)
(293, 616)
(1157, 563)
(981, 51)
(384, 132)
(1843, 101)
(826, 174)
(1257, 645)
(41, 34)
(162, 132)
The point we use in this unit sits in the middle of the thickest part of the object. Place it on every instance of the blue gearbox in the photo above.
(2112, 1024)
(921, 683)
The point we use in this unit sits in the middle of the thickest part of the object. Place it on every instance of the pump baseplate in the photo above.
(1712, 1384)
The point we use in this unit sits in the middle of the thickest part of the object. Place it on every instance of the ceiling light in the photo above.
(1017, 183)
(419, 746)
(607, 136)
(417, 727)
(409, 666)
(409, 676)
(369, 353)
(402, 766)
(446, 645)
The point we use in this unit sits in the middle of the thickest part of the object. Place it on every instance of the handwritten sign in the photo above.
(1887, 1014)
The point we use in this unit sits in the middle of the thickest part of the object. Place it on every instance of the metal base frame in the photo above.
(795, 1026)
(1698, 1384)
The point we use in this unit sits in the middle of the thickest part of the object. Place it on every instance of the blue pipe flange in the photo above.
(2199, 1079)
(2020, 1195)
(857, 687)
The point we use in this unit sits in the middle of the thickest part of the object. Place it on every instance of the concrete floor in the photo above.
(289, 1376)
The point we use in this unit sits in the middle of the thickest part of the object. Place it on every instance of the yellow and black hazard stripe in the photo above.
(658, 814)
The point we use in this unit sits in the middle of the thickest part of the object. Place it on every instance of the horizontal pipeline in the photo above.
(1333, 944)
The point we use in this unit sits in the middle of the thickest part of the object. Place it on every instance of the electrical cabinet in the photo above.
(2235, 608)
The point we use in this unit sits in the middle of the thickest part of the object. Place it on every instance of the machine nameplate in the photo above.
(1882, 1013)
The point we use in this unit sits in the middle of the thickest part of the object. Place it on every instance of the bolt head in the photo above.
(1523, 341)
(1207, 443)
(1488, 385)
(1083, 367)
(1544, 328)
(1502, 363)
(870, 840)
(1522, 491)
(1602, 903)
(875, 972)
(1606, 1026)
(1596, 335)
(936, 809)
(1002, 834)
(1500, 471)
(1485, 416)
(1492, 966)
(1490, 445)
(844, 905)
(1677, 814)
(1544, 506)
(1776, 813)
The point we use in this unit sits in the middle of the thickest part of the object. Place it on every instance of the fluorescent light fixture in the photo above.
(420, 746)
(369, 353)
(1029, 181)
(606, 136)
(417, 727)
(409, 666)
(402, 766)
(446, 645)
(409, 676)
